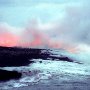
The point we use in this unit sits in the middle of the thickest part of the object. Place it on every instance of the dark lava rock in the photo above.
(13, 56)
(7, 75)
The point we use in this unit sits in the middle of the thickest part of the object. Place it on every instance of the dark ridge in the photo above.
(13, 56)
(8, 75)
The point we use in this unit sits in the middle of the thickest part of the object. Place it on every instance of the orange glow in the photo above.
(55, 45)
(32, 38)
(8, 40)
(36, 42)
(72, 50)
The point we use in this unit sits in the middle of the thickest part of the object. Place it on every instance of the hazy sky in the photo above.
(45, 23)
(19, 12)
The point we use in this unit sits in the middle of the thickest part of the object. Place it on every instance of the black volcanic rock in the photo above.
(7, 75)
(13, 56)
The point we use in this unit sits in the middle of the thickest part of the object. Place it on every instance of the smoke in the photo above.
(67, 32)
(7, 37)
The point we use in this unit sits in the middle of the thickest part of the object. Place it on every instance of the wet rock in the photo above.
(8, 75)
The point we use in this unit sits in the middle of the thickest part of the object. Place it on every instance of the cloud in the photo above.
(7, 37)
(67, 27)
(30, 2)
(74, 27)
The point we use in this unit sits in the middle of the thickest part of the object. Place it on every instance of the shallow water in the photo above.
(50, 75)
